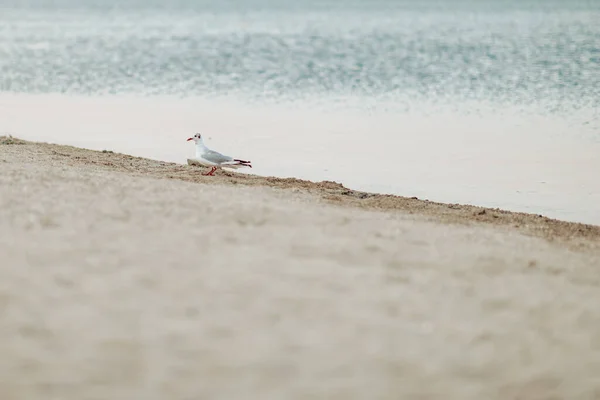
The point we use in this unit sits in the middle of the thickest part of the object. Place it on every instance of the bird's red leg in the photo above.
(211, 172)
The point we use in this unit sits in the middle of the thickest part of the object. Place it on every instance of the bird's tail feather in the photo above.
(242, 162)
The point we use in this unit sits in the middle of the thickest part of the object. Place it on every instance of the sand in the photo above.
(128, 278)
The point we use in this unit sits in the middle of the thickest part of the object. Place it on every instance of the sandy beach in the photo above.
(128, 278)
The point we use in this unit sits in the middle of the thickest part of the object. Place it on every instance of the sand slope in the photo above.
(118, 283)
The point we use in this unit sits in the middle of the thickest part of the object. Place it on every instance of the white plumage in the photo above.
(214, 159)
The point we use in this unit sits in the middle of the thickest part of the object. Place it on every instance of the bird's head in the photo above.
(196, 138)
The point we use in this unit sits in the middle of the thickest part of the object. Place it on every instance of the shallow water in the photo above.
(489, 103)
(490, 160)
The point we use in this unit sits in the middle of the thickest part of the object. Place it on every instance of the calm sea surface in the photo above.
(488, 102)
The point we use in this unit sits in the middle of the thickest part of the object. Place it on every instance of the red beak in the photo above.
(190, 139)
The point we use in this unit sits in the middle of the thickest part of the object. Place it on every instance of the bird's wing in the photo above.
(215, 157)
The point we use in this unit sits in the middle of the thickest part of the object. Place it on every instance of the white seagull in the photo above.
(214, 159)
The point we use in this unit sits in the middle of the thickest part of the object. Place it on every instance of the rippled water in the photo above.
(516, 54)
(536, 59)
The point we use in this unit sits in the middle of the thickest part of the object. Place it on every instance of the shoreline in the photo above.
(577, 236)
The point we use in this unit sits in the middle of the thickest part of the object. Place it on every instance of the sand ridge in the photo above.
(575, 235)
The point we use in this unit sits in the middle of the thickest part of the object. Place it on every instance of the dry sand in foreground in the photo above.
(127, 278)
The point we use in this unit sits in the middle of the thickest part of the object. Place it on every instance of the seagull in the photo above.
(214, 159)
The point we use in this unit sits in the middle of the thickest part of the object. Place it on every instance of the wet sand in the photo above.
(126, 278)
